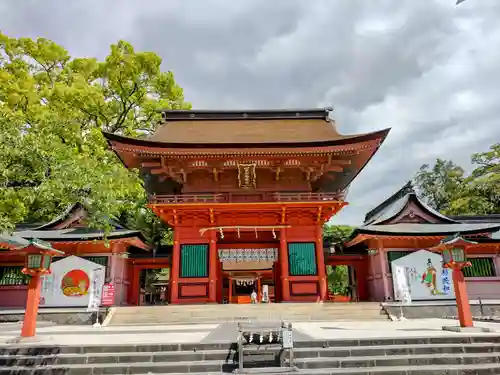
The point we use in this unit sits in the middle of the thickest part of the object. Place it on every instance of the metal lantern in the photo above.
(38, 261)
(453, 251)
(447, 256)
(458, 254)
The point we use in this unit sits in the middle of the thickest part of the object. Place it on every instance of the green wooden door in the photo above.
(302, 259)
(194, 260)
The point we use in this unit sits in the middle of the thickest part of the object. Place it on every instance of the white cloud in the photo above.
(427, 68)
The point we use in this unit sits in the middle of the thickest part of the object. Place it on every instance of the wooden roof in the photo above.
(252, 127)
(202, 129)
(244, 127)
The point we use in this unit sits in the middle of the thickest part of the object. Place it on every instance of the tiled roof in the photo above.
(75, 234)
(428, 229)
(395, 204)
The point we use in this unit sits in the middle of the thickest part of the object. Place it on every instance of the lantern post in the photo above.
(454, 252)
(38, 258)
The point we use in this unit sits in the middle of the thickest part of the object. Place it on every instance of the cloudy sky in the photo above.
(426, 68)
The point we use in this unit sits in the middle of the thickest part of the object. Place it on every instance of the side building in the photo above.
(69, 234)
(403, 225)
(247, 194)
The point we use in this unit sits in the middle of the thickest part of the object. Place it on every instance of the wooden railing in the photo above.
(306, 197)
(229, 198)
(187, 198)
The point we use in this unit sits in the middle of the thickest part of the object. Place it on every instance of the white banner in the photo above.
(425, 276)
(401, 285)
(265, 293)
(95, 290)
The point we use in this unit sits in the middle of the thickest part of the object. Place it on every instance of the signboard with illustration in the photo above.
(426, 279)
(71, 282)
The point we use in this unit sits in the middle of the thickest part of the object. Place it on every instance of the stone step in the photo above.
(215, 320)
(313, 354)
(359, 363)
(233, 313)
(488, 340)
(486, 369)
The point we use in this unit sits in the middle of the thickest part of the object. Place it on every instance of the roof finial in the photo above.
(408, 188)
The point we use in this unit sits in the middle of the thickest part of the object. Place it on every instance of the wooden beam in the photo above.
(339, 162)
(283, 215)
(277, 173)
(335, 168)
(319, 216)
(150, 164)
(158, 171)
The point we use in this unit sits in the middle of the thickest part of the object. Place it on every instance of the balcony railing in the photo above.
(245, 198)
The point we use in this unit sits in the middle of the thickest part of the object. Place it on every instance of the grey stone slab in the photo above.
(467, 329)
(228, 332)
(438, 311)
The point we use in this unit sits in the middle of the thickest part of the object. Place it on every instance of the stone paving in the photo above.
(227, 332)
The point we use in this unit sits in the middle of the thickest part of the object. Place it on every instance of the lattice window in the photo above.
(194, 261)
(12, 276)
(394, 255)
(101, 260)
(302, 259)
(481, 267)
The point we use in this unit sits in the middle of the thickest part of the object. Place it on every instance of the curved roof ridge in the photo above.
(396, 203)
(401, 193)
(60, 218)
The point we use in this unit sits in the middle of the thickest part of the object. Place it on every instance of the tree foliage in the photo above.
(447, 188)
(53, 109)
(336, 234)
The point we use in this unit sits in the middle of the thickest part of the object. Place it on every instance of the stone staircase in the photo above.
(409, 356)
(294, 312)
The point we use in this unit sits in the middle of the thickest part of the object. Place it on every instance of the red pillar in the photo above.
(361, 280)
(283, 259)
(320, 259)
(134, 285)
(258, 289)
(32, 302)
(212, 262)
(174, 276)
(463, 305)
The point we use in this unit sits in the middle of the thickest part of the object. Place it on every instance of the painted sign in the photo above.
(108, 295)
(425, 276)
(70, 283)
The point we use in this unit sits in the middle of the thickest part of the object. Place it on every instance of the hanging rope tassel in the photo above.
(221, 233)
(238, 232)
(256, 235)
(274, 234)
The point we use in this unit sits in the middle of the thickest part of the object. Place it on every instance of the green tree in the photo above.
(480, 193)
(338, 276)
(336, 234)
(52, 111)
(449, 190)
(338, 279)
(440, 184)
